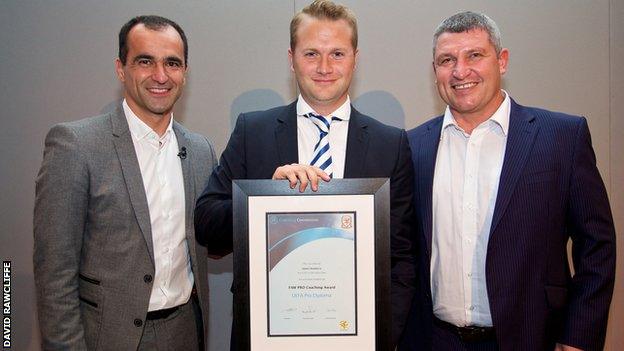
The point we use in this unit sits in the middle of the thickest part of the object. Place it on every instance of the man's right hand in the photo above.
(302, 174)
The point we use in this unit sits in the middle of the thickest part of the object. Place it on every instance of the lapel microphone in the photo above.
(182, 153)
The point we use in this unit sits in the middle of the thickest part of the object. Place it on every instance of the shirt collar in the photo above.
(139, 129)
(500, 117)
(343, 112)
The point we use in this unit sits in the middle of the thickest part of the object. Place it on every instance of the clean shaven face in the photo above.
(154, 73)
(323, 62)
(469, 73)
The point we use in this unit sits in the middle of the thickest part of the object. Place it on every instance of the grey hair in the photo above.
(468, 20)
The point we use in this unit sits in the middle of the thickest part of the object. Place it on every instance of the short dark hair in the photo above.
(151, 22)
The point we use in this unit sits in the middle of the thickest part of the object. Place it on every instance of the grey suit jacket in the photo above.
(93, 254)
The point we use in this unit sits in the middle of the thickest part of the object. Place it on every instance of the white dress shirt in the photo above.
(467, 172)
(308, 135)
(164, 188)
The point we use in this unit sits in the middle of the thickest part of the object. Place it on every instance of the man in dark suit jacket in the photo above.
(499, 190)
(115, 259)
(280, 143)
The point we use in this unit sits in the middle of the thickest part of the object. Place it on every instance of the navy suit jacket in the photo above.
(265, 140)
(550, 190)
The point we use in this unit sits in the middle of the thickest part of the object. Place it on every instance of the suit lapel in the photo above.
(521, 136)
(122, 139)
(286, 135)
(427, 154)
(189, 186)
(357, 145)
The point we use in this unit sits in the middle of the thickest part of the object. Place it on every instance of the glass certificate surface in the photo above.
(311, 273)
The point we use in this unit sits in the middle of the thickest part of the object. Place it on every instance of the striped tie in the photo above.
(321, 156)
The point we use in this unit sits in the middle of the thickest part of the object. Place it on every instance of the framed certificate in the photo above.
(312, 269)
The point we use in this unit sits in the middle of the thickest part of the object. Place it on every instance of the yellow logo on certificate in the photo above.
(344, 325)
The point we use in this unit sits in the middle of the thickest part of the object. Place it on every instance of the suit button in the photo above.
(138, 322)
(147, 278)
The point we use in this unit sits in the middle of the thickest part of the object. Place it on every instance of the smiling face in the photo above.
(323, 62)
(468, 74)
(154, 73)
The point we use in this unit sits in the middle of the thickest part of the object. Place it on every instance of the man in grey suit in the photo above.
(115, 258)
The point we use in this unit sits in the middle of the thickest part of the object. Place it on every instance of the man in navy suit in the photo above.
(499, 190)
(288, 143)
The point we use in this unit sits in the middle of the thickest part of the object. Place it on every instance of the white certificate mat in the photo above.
(312, 272)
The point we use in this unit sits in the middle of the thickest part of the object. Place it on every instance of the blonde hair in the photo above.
(324, 9)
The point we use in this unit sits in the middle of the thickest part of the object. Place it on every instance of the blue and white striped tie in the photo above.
(322, 156)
